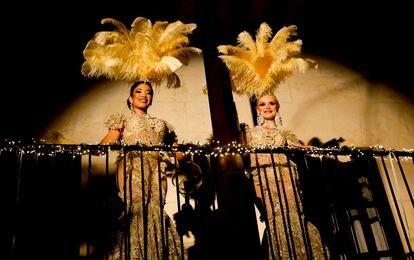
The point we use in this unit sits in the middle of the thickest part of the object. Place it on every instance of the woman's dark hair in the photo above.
(133, 86)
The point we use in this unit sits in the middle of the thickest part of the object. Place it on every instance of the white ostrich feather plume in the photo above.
(148, 52)
(258, 66)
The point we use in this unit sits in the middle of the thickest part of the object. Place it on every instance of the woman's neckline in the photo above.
(269, 124)
(139, 114)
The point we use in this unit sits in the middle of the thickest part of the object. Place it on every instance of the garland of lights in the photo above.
(208, 149)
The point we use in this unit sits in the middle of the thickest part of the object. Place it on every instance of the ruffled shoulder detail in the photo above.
(115, 121)
(291, 138)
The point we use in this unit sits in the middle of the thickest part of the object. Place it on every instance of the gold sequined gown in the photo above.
(286, 229)
(160, 238)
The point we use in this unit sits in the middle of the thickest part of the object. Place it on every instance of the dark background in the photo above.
(42, 43)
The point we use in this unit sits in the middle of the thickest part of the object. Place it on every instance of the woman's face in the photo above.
(141, 97)
(267, 107)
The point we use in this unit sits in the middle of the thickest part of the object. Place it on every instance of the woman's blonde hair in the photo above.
(269, 94)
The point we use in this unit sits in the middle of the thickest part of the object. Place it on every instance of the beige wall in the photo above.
(327, 103)
(334, 102)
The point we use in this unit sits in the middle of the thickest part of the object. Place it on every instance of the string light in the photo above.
(212, 148)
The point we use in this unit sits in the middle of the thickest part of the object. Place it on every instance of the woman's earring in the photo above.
(278, 120)
(259, 119)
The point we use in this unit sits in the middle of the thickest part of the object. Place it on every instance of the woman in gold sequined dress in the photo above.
(151, 233)
(288, 234)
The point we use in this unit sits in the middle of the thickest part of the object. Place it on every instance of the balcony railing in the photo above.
(62, 200)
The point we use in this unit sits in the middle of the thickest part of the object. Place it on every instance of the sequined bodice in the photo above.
(144, 129)
(138, 128)
(267, 137)
(263, 138)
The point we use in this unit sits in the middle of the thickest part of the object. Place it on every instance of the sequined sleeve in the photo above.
(291, 138)
(115, 121)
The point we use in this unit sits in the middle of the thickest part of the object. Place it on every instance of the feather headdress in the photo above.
(149, 52)
(259, 66)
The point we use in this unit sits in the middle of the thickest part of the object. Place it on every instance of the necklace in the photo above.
(269, 124)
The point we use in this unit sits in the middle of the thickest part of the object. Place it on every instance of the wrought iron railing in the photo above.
(62, 200)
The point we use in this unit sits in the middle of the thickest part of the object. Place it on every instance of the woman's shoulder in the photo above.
(291, 137)
(169, 130)
(115, 120)
(168, 126)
